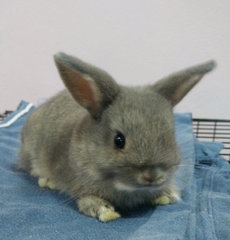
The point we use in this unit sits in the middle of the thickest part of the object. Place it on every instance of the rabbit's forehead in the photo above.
(147, 131)
(141, 110)
(144, 119)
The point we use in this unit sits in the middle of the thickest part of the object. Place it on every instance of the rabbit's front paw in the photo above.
(108, 214)
(96, 207)
(169, 196)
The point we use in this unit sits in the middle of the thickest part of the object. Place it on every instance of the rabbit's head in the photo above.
(127, 138)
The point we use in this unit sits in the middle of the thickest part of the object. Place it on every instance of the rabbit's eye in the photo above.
(119, 140)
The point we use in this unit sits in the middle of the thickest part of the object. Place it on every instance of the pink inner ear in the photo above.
(80, 88)
(84, 91)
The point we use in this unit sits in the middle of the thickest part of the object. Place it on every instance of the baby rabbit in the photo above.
(108, 146)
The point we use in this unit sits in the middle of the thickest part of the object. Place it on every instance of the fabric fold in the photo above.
(29, 212)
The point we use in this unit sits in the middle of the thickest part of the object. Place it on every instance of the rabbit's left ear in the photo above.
(93, 88)
(177, 85)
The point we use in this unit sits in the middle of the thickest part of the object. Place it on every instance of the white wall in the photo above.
(137, 41)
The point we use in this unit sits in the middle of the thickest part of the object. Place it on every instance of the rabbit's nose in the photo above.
(148, 180)
(151, 178)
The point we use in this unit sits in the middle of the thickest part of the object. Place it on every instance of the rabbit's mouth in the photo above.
(137, 180)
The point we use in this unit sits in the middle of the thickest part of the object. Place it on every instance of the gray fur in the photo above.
(177, 85)
(69, 140)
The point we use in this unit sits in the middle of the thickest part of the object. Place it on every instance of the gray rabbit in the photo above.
(107, 146)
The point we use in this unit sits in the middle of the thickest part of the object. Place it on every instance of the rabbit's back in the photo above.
(47, 131)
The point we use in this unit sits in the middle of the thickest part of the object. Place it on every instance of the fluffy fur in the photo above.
(68, 142)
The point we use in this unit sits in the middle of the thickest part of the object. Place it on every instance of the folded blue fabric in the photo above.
(28, 212)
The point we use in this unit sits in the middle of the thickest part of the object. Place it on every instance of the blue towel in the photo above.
(29, 212)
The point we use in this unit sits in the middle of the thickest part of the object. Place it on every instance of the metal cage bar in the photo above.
(214, 130)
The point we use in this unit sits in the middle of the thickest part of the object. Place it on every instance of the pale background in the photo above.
(136, 41)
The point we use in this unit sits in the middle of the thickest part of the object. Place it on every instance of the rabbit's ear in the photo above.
(91, 87)
(176, 86)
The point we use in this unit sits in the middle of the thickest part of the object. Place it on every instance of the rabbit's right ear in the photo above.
(91, 87)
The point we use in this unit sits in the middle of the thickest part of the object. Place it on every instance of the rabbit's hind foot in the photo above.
(45, 182)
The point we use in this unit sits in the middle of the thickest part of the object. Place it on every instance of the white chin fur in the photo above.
(123, 187)
(120, 186)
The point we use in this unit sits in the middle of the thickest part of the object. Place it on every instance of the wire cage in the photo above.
(214, 130)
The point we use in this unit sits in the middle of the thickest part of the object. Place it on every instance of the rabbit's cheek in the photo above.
(94, 173)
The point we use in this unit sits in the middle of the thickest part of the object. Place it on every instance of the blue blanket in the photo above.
(29, 212)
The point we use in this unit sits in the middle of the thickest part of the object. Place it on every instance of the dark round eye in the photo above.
(119, 140)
